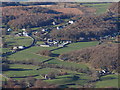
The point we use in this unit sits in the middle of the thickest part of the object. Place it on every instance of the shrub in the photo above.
(45, 53)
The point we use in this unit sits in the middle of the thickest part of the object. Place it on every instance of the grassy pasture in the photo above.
(100, 7)
(16, 41)
(19, 41)
(30, 53)
(75, 46)
(108, 81)
(3, 50)
(25, 55)
(70, 80)
(68, 64)
(19, 71)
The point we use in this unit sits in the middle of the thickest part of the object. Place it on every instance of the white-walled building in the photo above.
(21, 47)
(53, 23)
(25, 34)
(9, 29)
(71, 22)
(24, 29)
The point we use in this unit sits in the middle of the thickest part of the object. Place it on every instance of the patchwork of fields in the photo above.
(72, 79)
(100, 7)
(52, 64)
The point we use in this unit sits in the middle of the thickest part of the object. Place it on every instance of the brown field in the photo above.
(69, 11)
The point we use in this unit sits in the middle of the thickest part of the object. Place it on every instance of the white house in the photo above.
(20, 47)
(43, 30)
(43, 45)
(103, 71)
(70, 22)
(15, 48)
(25, 34)
(53, 23)
(24, 29)
(19, 33)
(58, 28)
(9, 30)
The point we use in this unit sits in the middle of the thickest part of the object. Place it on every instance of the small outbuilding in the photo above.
(9, 29)
(20, 47)
(71, 22)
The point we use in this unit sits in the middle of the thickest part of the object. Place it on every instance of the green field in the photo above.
(75, 46)
(68, 64)
(70, 80)
(3, 50)
(24, 55)
(30, 53)
(21, 71)
(100, 8)
(19, 41)
(73, 79)
(108, 81)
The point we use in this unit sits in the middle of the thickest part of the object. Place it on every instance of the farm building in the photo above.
(53, 23)
(9, 30)
(44, 45)
(15, 48)
(24, 29)
(20, 47)
(70, 22)
(25, 34)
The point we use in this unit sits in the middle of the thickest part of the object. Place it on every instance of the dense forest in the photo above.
(115, 7)
(22, 17)
(28, 82)
(99, 56)
(93, 27)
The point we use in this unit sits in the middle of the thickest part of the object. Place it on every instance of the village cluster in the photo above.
(55, 43)
(49, 42)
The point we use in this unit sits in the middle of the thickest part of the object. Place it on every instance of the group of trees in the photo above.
(26, 3)
(100, 56)
(88, 27)
(45, 52)
(114, 8)
(46, 65)
(29, 82)
(24, 16)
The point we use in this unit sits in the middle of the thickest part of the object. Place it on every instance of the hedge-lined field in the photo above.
(75, 46)
(19, 41)
(100, 7)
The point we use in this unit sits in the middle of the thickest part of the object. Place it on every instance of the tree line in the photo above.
(88, 27)
(101, 56)
(23, 16)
